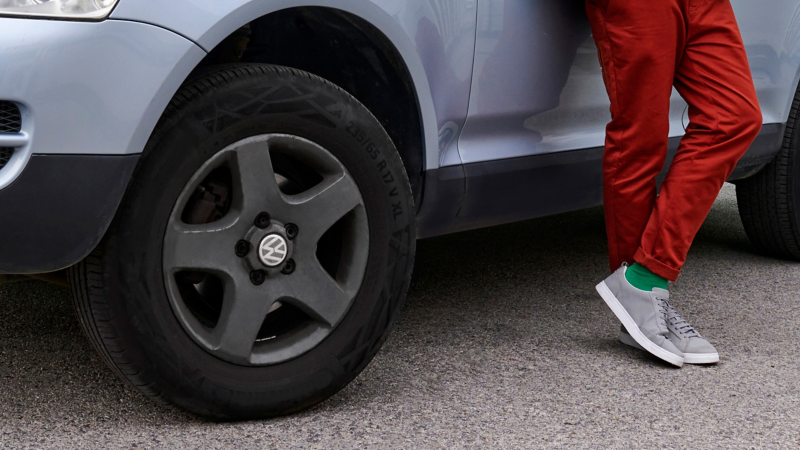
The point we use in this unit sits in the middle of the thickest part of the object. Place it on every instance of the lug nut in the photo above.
(291, 230)
(242, 248)
(257, 277)
(262, 220)
(288, 267)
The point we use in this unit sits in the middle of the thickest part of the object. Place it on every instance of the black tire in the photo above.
(119, 290)
(769, 201)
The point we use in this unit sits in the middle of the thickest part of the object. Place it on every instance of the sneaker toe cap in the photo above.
(700, 346)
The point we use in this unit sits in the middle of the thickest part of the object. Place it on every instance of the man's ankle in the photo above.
(642, 278)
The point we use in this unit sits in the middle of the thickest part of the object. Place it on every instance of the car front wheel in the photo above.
(262, 250)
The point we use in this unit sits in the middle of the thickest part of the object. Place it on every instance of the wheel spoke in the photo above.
(243, 312)
(207, 247)
(317, 293)
(259, 188)
(323, 205)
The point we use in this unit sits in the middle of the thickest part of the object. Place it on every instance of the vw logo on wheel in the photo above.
(272, 250)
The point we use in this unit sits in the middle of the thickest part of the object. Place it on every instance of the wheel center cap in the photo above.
(272, 250)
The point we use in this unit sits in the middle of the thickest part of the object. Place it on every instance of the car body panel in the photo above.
(91, 88)
(514, 189)
(538, 88)
(435, 38)
(90, 94)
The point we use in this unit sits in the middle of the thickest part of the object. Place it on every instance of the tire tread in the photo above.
(766, 203)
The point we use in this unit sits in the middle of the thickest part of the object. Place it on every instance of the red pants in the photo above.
(646, 47)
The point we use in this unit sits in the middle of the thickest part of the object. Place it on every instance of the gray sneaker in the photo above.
(642, 313)
(696, 349)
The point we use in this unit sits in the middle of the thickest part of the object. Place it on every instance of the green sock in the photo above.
(642, 278)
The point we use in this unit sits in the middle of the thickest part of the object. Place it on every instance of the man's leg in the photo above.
(639, 44)
(714, 78)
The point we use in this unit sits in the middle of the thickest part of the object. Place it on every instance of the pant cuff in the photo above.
(655, 266)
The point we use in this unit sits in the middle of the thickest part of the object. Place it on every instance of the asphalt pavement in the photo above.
(503, 343)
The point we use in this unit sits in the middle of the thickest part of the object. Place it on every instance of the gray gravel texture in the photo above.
(503, 344)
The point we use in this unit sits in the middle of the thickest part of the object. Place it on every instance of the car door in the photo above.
(537, 86)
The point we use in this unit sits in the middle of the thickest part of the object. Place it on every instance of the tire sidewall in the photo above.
(792, 180)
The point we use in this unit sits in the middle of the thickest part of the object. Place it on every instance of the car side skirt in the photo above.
(459, 198)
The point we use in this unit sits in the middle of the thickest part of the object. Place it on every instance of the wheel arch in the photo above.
(384, 72)
(418, 154)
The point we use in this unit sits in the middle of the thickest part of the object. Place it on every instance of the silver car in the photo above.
(235, 188)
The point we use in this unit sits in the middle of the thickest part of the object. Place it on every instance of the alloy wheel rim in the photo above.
(226, 298)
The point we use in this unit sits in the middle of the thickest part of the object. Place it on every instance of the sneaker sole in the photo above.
(638, 336)
(688, 358)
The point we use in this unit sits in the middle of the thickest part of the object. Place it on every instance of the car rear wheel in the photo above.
(262, 250)
(769, 201)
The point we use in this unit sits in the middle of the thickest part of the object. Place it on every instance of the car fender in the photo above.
(208, 22)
